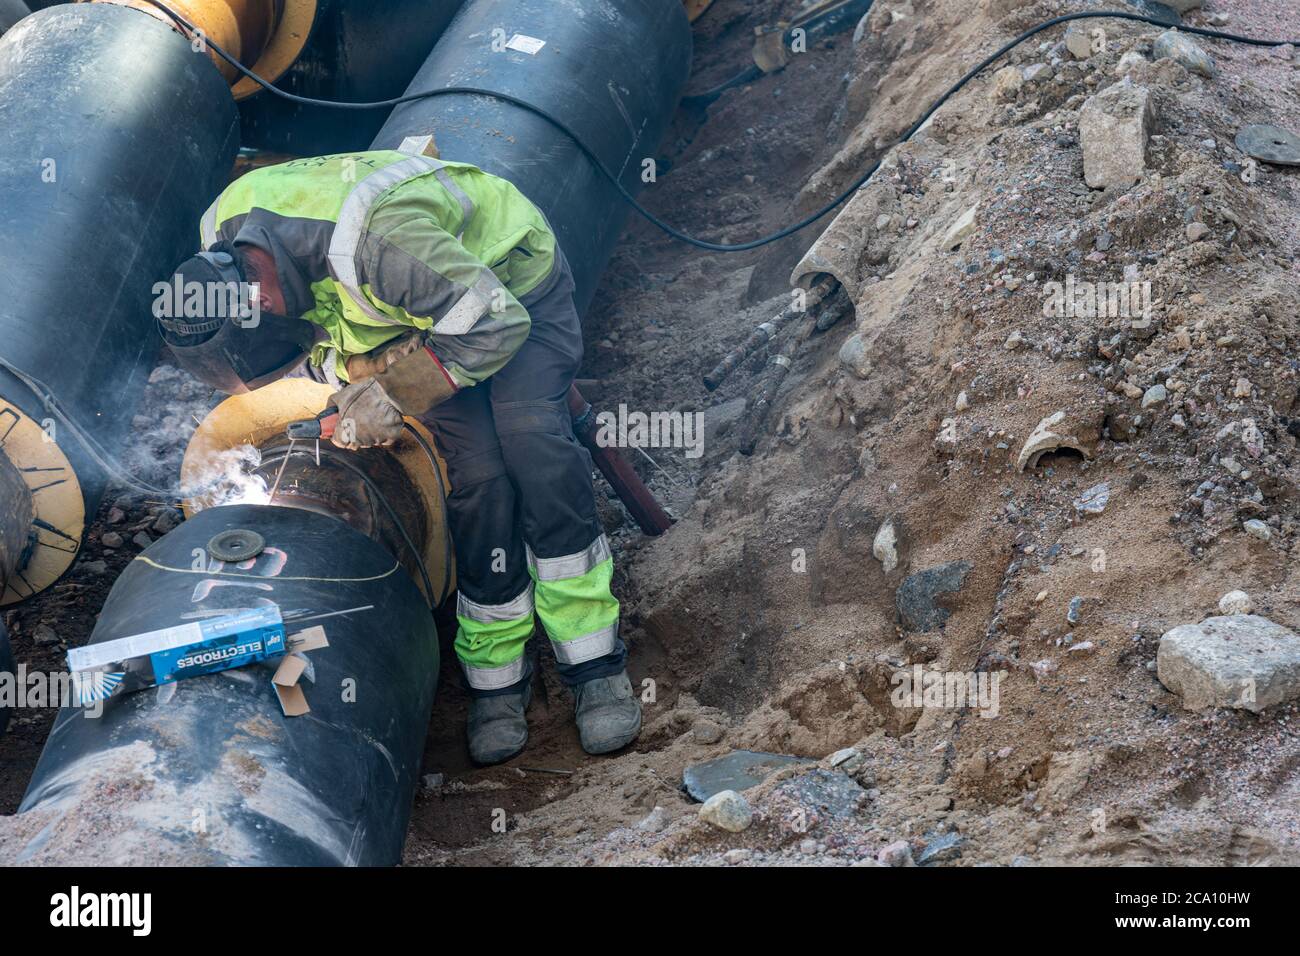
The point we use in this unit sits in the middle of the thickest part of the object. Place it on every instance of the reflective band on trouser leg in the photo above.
(490, 640)
(575, 603)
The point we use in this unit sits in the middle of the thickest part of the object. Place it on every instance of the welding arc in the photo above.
(614, 179)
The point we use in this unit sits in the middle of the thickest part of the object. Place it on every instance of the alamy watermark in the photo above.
(630, 429)
(238, 301)
(918, 687)
(1073, 299)
(21, 688)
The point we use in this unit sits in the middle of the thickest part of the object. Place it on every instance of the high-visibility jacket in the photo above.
(370, 245)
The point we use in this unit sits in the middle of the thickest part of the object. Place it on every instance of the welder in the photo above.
(434, 290)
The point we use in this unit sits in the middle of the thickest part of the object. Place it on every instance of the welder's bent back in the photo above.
(370, 245)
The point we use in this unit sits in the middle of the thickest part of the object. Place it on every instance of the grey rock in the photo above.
(1155, 395)
(654, 821)
(898, 853)
(1182, 49)
(1037, 73)
(916, 596)
(1114, 126)
(738, 770)
(854, 357)
(1077, 41)
(706, 732)
(94, 567)
(166, 520)
(45, 635)
(1131, 60)
(1093, 501)
(111, 539)
(829, 792)
(727, 810)
(142, 540)
(1236, 602)
(1257, 529)
(1076, 606)
(432, 781)
(1240, 661)
(885, 546)
(943, 848)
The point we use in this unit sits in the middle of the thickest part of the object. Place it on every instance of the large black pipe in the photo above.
(11, 11)
(358, 51)
(114, 137)
(612, 71)
(207, 771)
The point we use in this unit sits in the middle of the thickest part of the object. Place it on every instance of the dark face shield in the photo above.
(213, 324)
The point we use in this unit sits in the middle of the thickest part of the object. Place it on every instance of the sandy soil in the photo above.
(764, 620)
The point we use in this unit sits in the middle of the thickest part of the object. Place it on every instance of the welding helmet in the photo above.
(211, 320)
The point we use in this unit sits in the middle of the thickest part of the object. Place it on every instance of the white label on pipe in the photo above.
(525, 44)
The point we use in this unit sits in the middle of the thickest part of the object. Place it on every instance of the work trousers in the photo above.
(522, 511)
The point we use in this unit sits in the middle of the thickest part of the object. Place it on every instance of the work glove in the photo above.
(367, 416)
(411, 377)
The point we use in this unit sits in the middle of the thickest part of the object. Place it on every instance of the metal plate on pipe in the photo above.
(237, 544)
(1272, 144)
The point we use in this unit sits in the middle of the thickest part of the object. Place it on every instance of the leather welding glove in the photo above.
(412, 377)
(367, 416)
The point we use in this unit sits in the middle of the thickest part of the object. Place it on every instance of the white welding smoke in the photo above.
(228, 478)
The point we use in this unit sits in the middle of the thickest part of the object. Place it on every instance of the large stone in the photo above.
(885, 546)
(961, 229)
(855, 357)
(1114, 126)
(1241, 661)
(916, 597)
(1078, 41)
(1184, 51)
(738, 770)
(727, 810)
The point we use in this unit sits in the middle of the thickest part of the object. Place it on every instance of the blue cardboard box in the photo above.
(175, 653)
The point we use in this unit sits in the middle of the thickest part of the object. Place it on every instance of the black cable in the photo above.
(630, 199)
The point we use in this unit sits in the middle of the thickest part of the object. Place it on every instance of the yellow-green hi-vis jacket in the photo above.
(370, 245)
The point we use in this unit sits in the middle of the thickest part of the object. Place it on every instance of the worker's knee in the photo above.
(535, 417)
(468, 470)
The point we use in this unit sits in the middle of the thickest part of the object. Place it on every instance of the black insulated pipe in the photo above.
(358, 51)
(612, 71)
(207, 771)
(114, 137)
(11, 11)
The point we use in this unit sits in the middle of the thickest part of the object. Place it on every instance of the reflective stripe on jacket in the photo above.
(372, 244)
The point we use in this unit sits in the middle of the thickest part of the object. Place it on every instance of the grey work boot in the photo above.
(497, 726)
(608, 713)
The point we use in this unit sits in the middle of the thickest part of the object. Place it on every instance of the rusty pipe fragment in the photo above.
(627, 484)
